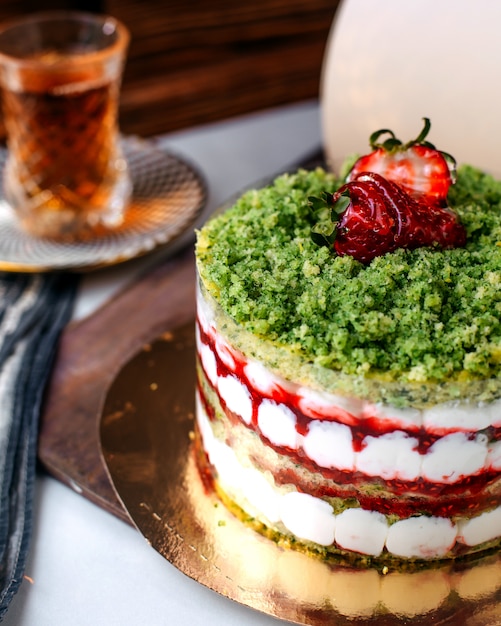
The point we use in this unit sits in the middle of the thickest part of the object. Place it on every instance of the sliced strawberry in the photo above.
(417, 166)
(370, 216)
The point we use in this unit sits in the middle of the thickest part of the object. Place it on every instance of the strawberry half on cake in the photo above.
(349, 358)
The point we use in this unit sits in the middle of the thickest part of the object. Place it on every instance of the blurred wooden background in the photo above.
(196, 61)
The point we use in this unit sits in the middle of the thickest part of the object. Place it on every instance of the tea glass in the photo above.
(60, 72)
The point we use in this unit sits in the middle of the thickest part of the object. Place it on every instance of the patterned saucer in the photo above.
(168, 195)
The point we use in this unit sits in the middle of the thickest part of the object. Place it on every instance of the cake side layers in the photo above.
(247, 472)
(328, 526)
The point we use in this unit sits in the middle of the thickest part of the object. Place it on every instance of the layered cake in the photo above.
(349, 357)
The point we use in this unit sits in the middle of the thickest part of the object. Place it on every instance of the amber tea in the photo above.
(65, 174)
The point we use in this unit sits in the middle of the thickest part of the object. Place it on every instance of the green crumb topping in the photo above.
(419, 316)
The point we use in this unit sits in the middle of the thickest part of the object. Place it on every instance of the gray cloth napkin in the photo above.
(34, 308)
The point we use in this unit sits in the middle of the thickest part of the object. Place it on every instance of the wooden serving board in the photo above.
(91, 353)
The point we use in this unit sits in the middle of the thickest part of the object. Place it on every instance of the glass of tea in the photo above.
(60, 73)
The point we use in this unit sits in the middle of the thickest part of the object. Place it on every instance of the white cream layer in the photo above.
(312, 519)
(330, 443)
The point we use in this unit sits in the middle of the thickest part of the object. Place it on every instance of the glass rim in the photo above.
(118, 46)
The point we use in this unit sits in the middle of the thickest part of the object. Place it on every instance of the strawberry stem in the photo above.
(389, 144)
(422, 135)
(451, 163)
(392, 143)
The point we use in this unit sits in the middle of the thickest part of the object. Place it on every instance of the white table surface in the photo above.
(87, 567)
